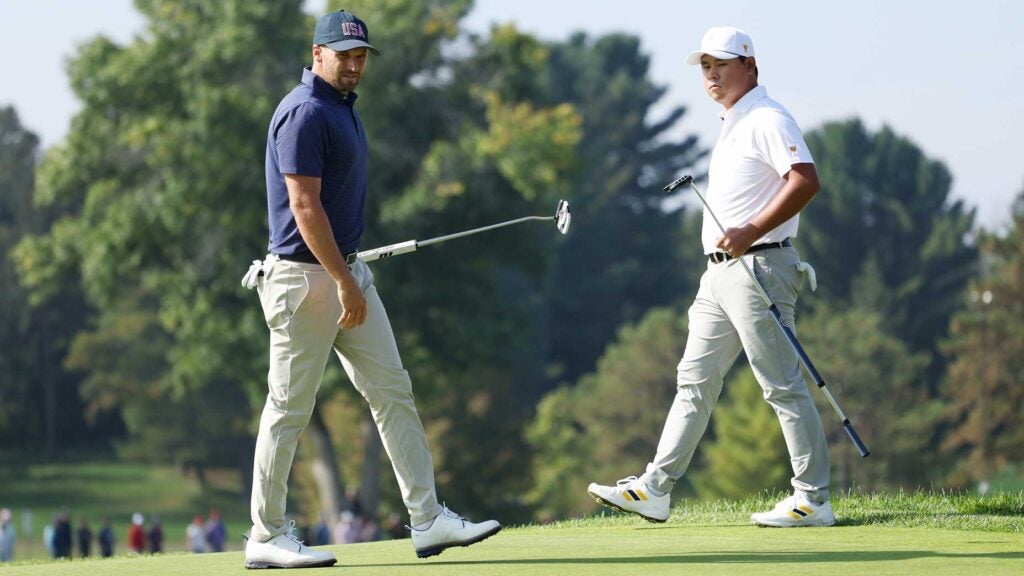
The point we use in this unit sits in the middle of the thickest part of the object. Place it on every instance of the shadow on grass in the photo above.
(726, 558)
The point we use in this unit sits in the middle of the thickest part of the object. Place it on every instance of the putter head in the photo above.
(681, 181)
(563, 218)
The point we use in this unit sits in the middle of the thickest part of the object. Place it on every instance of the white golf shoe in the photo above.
(285, 551)
(449, 529)
(796, 511)
(633, 496)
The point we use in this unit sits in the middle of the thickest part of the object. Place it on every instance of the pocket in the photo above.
(777, 272)
(281, 293)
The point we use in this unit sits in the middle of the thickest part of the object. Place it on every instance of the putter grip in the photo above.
(864, 452)
(386, 251)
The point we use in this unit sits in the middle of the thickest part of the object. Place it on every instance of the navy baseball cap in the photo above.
(342, 31)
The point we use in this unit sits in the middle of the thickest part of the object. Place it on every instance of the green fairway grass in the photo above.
(904, 534)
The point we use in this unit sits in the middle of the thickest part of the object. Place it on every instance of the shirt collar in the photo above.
(743, 105)
(322, 89)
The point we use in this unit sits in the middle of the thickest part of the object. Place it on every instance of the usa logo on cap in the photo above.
(352, 29)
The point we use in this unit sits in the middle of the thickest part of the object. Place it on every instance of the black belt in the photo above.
(719, 257)
(308, 258)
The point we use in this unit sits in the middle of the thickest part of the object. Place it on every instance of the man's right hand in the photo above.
(353, 304)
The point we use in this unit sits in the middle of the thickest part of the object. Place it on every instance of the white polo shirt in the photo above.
(759, 143)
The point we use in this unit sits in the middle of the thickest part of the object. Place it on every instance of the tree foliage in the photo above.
(39, 402)
(626, 254)
(884, 232)
(984, 348)
(880, 384)
(17, 165)
(161, 182)
(607, 425)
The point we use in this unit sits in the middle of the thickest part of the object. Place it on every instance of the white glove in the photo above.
(812, 278)
(249, 280)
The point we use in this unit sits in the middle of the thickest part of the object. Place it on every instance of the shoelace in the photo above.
(290, 534)
(449, 514)
(626, 480)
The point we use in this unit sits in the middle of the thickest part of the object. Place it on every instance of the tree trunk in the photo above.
(369, 479)
(325, 468)
(49, 402)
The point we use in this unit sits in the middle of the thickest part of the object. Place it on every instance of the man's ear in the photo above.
(318, 53)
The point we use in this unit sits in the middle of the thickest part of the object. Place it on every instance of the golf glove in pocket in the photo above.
(812, 278)
(249, 280)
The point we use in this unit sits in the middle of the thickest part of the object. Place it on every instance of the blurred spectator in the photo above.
(345, 529)
(216, 532)
(84, 539)
(195, 535)
(62, 535)
(369, 531)
(106, 539)
(48, 537)
(394, 528)
(321, 532)
(156, 536)
(136, 534)
(352, 503)
(7, 536)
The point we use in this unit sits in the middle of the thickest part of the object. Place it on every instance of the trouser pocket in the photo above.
(282, 289)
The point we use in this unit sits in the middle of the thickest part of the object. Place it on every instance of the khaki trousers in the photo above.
(729, 316)
(301, 307)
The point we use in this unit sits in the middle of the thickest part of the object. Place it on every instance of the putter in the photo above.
(805, 360)
(562, 219)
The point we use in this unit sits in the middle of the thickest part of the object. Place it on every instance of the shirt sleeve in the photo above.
(301, 142)
(781, 143)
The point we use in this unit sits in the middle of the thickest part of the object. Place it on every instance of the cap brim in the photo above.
(694, 57)
(343, 45)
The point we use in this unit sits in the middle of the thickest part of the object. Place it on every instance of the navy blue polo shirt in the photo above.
(316, 132)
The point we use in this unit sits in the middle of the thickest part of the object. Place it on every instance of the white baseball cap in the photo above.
(724, 43)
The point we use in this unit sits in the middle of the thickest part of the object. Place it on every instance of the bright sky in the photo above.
(946, 75)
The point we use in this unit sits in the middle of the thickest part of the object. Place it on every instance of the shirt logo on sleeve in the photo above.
(792, 149)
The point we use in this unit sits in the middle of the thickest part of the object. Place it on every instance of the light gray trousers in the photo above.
(301, 307)
(728, 316)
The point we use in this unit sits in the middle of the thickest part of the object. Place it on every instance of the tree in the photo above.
(39, 404)
(17, 165)
(608, 424)
(888, 240)
(885, 234)
(463, 312)
(879, 384)
(627, 253)
(156, 182)
(984, 348)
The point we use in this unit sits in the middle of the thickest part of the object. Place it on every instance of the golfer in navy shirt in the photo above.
(318, 297)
